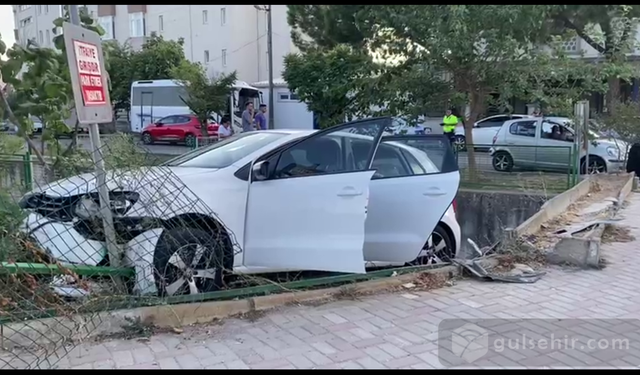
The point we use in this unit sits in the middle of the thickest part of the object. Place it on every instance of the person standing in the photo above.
(247, 118)
(449, 123)
(225, 130)
(261, 118)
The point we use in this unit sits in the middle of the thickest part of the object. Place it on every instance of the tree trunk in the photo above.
(613, 94)
(476, 104)
(203, 128)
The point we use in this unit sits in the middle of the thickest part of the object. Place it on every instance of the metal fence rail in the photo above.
(518, 167)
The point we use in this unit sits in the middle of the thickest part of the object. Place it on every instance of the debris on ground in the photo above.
(523, 274)
(616, 233)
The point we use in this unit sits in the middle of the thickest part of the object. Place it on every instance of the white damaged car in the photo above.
(335, 200)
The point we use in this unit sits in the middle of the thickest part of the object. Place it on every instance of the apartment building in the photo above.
(222, 37)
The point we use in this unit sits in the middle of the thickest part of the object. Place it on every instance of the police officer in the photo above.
(449, 123)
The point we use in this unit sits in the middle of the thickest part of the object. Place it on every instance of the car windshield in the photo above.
(224, 153)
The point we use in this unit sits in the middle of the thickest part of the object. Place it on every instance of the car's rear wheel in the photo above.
(146, 138)
(190, 140)
(439, 248)
(502, 161)
(460, 142)
(188, 261)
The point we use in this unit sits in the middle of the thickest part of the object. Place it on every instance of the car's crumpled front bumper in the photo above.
(62, 242)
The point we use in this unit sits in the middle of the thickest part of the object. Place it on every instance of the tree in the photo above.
(118, 62)
(41, 85)
(609, 29)
(434, 57)
(155, 60)
(204, 96)
(624, 122)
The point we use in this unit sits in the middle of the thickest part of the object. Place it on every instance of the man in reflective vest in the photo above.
(449, 123)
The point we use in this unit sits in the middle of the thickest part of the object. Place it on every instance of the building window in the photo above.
(136, 24)
(223, 16)
(46, 9)
(224, 57)
(39, 9)
(160, 23)
(106, 22)
(23, 7)
(205, 17)
(206, 56)
(40, 38)
(288, 97)
(48, 40)
(25, 22)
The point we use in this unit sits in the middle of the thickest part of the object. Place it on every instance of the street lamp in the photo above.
(267, 8)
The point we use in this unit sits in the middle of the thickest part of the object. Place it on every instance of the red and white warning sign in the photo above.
(90, 74)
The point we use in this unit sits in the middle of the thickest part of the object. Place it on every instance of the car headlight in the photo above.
(613, 152)
(121, 202)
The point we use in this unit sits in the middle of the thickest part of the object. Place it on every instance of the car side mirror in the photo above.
(158, 123)
(260, 170)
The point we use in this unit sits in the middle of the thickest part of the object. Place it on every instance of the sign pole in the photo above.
(88, 77)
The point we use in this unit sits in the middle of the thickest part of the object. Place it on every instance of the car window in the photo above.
(417, 156)
(226, 152)
(329, 152)
(389, 162)
(493, 122)
(555, 131)
(169, 120)
(182, 119)
(523, 128)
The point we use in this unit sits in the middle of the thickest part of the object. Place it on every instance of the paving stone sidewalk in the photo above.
(398, 331)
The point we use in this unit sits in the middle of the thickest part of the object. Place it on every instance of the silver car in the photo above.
(546, 144)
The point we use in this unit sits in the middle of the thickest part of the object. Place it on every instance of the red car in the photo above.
(177, 128)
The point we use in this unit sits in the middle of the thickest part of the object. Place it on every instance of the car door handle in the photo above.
(434, 192)
(349, 191)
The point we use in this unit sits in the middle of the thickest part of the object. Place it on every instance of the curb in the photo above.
(43, 332)
(585, 251)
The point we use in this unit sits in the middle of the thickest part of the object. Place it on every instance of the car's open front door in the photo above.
(307, 203)
(415, 182)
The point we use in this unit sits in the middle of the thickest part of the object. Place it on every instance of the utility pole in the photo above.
(267, 8)
(270, 52)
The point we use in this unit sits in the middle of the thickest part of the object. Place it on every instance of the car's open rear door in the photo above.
(306, 210)
(416, 181)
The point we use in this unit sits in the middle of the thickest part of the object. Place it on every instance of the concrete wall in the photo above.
(483, 215)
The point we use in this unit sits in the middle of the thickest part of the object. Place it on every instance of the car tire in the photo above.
(596, 165)
(460, 142)
(190, 140)
(147, 139)
(439, 244)
(502, 161)
(177, 270)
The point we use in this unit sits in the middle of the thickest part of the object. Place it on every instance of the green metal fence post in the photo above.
(28, 171)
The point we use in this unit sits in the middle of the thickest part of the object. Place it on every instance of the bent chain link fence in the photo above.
(56, 275)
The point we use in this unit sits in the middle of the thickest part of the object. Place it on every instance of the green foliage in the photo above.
(624, 120)
(155, 60)
(10, 144)
(328, 81)
(118, 62)
(204, 96)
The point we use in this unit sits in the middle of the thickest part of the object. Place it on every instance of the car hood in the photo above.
(140, 179)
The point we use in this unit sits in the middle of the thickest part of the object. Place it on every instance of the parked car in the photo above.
(545, 143)
(484, 130)
(338, 200)
(177, 129)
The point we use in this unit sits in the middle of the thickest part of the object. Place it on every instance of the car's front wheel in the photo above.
(146, 138)
(188, 261)
(439, 248)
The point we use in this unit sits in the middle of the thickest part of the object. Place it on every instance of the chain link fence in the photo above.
(59, 271)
